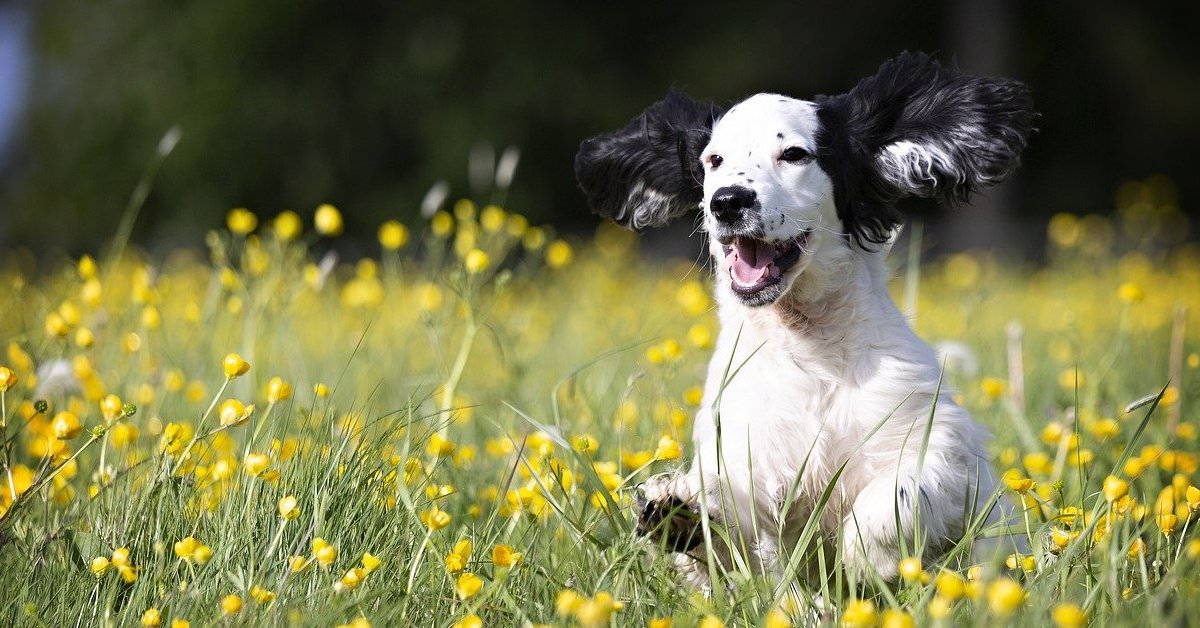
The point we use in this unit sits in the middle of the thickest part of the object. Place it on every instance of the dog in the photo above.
(821, 404)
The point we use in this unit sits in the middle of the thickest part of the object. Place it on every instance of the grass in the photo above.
(481, 388)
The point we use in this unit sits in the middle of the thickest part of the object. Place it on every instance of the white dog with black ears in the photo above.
(816, 371)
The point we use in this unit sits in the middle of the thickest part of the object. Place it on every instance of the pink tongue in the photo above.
(749, 260)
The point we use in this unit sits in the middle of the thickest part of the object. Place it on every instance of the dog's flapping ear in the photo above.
(917, 128)
(648, 172)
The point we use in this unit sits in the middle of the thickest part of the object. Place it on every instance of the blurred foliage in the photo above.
(291, 104)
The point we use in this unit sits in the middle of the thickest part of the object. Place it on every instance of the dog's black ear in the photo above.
(917, 128)
(648, 172)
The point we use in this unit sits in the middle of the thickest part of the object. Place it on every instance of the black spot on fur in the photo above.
(980, 124)
(648, 172)
(779, 135)
(671, 522)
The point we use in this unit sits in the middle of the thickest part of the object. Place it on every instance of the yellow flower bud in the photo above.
(234, 366)
(393, 235)
(231, 604)
(289, 508)
(328, 221)
(66, 425)
(476, 261)
(278, 390)
(241, 221)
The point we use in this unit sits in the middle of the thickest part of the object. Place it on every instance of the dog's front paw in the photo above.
(665, 516)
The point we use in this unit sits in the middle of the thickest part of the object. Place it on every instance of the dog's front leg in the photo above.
(901, 511)
(669, 512)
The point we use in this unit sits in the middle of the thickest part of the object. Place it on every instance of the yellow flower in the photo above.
(559, 254)
(128, 574)
(234, 412)
(84, 337)
(910, 569)
(241, 220)
(468, 585)
(1070, 379)
(192, 550)
(665, 622)
(328, 221)
(321, 390)
(278, 390)
(56, 326)
(66, 425)
(896, 618)
(287, 225)
(1068, 616)
(323, 551)
(180, 623)
(457, 559)
(711, 621)
(393, 235)
(120, 557)
(351, 579)
(504, 556)
(112, 408)
(585, 444)
(439, 446)
(151, 618)
(1192, 495)
(435, 518)
(567, 602)
(668, 449)
(1167, 523)
(441, 224)
(950, 585)
(370, 562)
(231, 604)
(1005, 596)
(234, 366)
(992, 388)
(598, 610)
(8, 378)
(1014, 481)
(470, 621)
(289, 508)
(1136, 549)
(261, 595)
(859, 614)
(700, 336)
(1130, 292)
(476, 261)
(296, 564)
(939, 607)
(100, 565)
(492, 219)
(255, 464)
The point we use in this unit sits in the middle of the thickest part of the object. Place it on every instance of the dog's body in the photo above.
(817, 379)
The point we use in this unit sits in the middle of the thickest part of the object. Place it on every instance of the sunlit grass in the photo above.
(448, 430)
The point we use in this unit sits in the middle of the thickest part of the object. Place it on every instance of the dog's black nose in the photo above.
(730, 203)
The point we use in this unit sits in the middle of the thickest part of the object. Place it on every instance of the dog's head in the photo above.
(784, 184)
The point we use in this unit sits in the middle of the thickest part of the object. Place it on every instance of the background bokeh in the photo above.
(285, 104)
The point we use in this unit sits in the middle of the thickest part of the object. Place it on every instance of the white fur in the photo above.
(799, 384)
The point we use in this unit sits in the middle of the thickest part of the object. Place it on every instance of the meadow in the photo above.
(447, 433)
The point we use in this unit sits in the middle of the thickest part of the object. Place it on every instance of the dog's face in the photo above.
(784, 184)
(767, 203)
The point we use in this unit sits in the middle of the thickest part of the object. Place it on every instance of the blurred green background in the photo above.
(288, 104)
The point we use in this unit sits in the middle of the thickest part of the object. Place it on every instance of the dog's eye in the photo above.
(715, 161)
(793, 154)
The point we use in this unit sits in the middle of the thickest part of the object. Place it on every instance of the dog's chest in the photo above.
(777, 420)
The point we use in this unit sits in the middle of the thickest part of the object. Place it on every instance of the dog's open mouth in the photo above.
(755, 265)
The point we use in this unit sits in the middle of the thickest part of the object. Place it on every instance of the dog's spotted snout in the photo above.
(729, 204)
